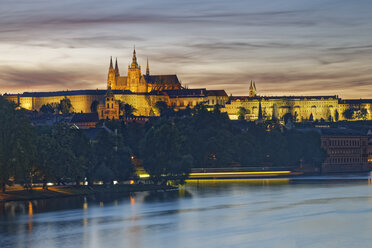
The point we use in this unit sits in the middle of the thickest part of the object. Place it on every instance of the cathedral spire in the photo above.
(252, 89)
(147, 68)
(116, 67)
(111, 77)
(134, 59)
(111, 63)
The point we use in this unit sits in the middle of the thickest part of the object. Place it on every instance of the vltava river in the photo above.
(311, 212)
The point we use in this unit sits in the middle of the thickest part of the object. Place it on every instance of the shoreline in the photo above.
(38, 193)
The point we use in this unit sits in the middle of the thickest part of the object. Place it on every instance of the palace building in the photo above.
(143, 91)
(301, 108)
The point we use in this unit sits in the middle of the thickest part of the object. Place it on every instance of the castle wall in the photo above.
(320, 108)
(12, 98)
(143, 103)
(81, 103)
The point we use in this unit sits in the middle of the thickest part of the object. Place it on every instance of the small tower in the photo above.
(252, 89)
(108, 108)
(147, 68)
(111, 78)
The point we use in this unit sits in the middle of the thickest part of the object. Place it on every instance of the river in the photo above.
(304, 212)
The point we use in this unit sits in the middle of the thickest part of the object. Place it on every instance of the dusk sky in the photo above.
(289, 47)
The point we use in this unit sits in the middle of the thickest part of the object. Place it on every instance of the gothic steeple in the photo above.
(111, 77)
(147, 68)
(111, 63)
(116, 68)
(134, 60)
(252, 90)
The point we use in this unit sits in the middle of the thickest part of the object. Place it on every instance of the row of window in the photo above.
(345, 160)
(343, 142)
(193, 103)
(348, 151)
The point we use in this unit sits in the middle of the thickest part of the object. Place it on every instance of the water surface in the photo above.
(307, 212)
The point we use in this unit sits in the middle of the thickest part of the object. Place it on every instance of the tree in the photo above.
(112, 159)
(349, 114)
(336, 115)
(127, 109)
(94, 106)
(65, 106)
(47, 109)
(16, 144)
(362, 114)
(63, 154)
(275, 114)
(260, 111)
(241, 113)
(295, 117)
(287, 117)
(164, 154)
(311, 118)
(210, 137)
(161, 107)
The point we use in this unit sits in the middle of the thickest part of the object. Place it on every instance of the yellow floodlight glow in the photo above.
(238, 173)
(144, 176)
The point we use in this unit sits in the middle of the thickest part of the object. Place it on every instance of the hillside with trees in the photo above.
(168, 147)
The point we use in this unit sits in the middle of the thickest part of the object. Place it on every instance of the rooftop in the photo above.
(84, 117)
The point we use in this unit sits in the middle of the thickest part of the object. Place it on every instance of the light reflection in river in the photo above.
(308, 212)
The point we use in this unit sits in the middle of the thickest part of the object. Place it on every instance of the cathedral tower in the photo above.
(111, 78)
(134, 74)
(252, 89)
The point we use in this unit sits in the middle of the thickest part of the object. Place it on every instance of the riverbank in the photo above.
(18, 194)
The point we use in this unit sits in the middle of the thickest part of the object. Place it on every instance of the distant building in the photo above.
(301, 108)
(347, 151)
(85, 120)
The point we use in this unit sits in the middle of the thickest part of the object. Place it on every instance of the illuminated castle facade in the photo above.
(301, 108)
(135, 82)
(143, 91)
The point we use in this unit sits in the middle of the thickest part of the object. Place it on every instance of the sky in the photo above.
(288, 47)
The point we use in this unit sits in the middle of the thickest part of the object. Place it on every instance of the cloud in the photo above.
(305, 47)
(15, 79)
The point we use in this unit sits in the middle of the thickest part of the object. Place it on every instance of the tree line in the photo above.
(168, 147)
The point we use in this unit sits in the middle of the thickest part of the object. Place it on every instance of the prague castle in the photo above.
(143, 91)
(302, 108)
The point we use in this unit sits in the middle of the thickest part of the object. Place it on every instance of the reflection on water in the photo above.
(229, 182)
(307, 212)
